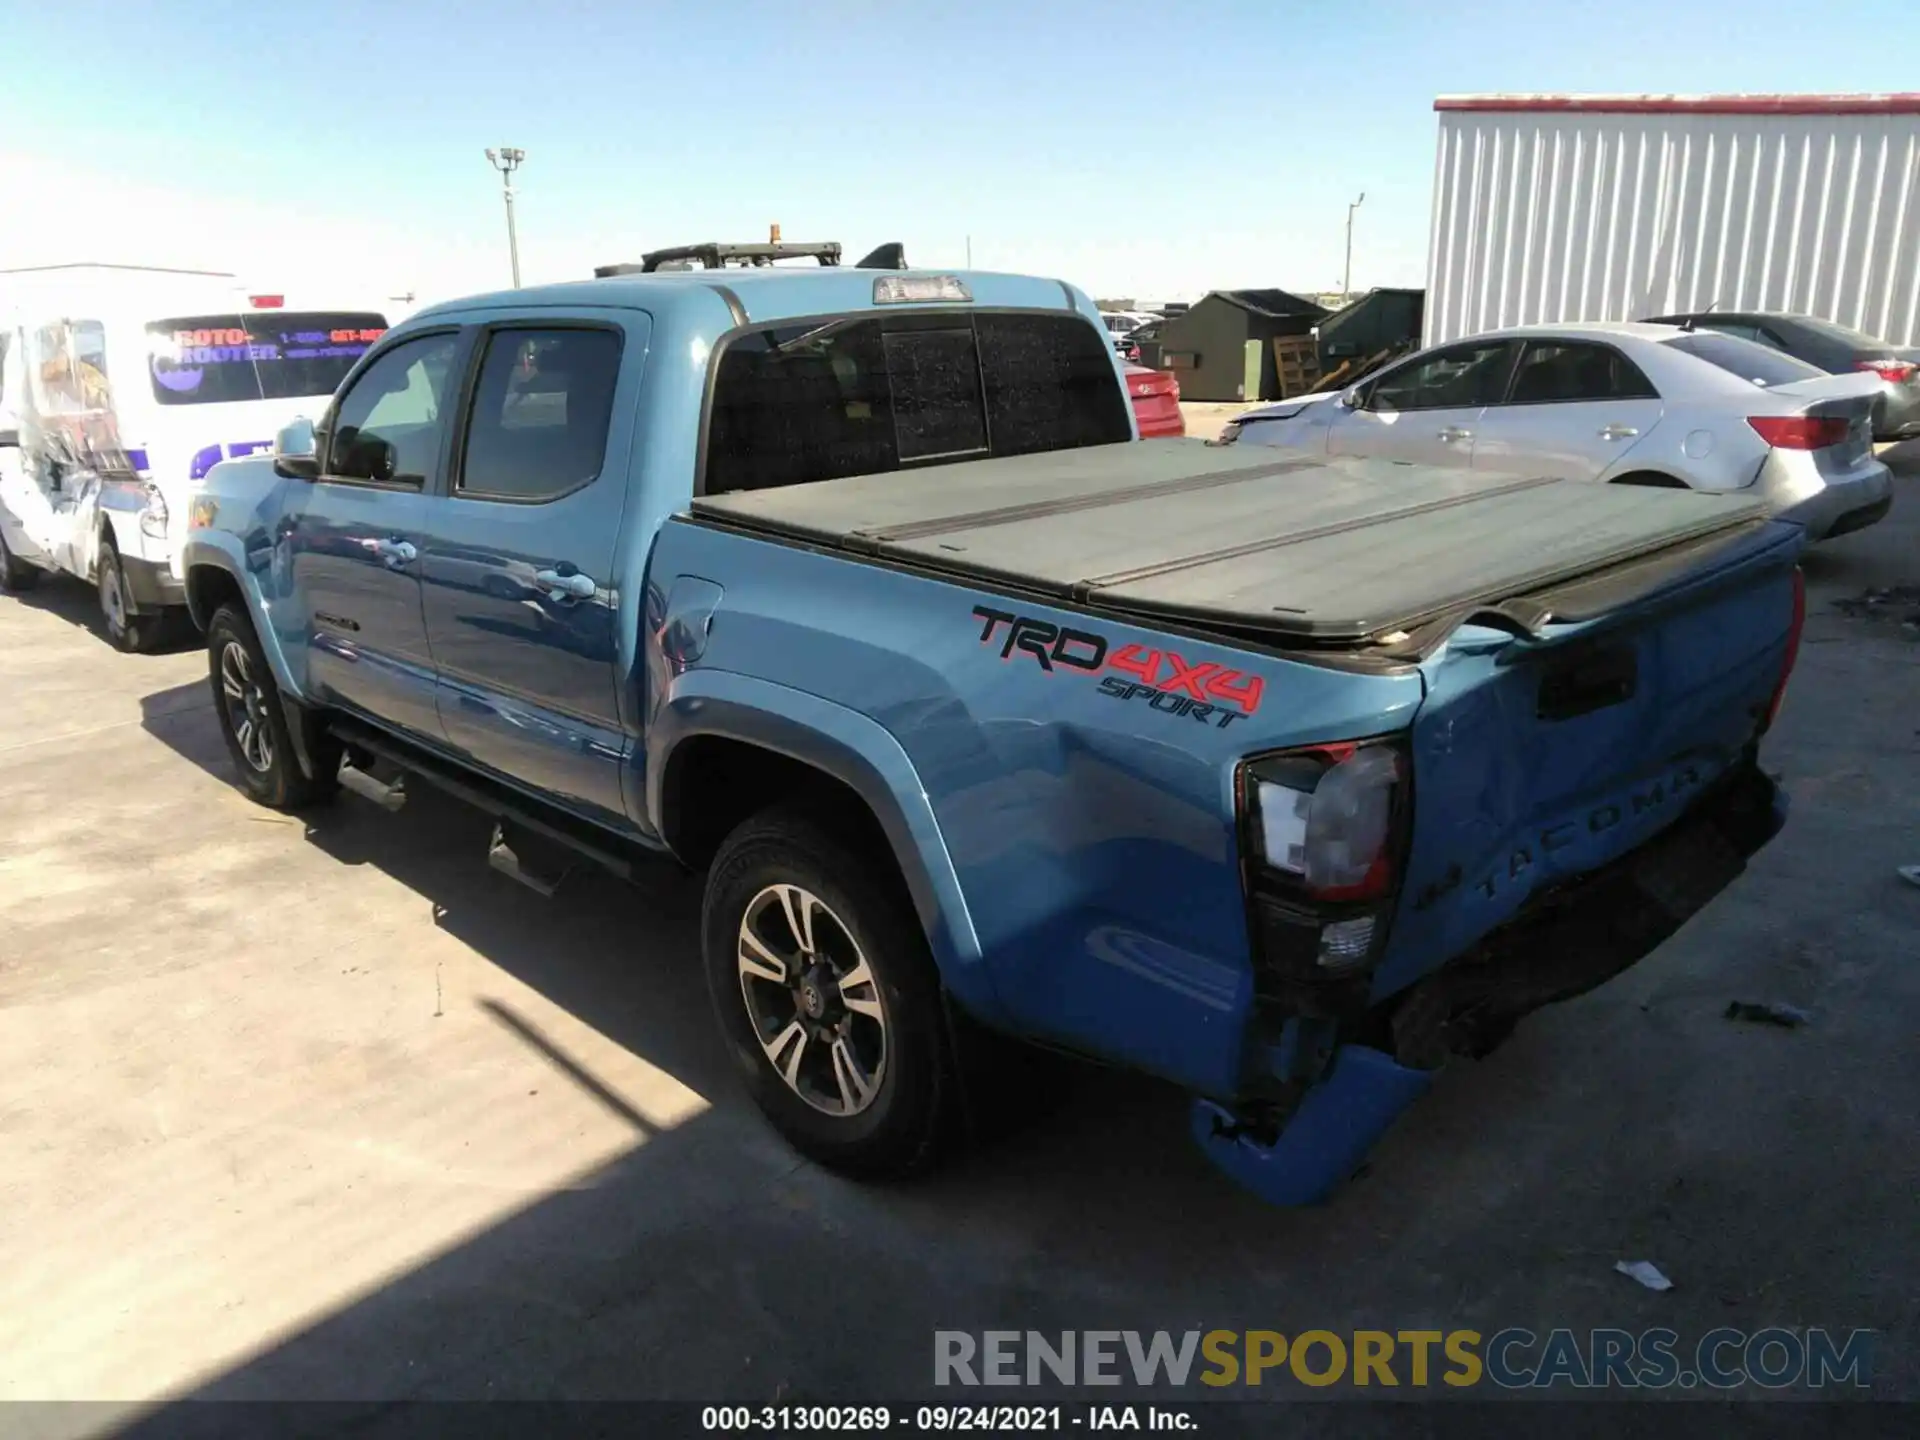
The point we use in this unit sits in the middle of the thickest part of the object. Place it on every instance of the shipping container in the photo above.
(1559, 208)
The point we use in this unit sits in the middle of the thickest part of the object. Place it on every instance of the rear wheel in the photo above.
(827, 995)
(254, 722)
(125, 630)
(15, 574)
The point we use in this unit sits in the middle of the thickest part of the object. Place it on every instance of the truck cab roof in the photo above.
(770, 293)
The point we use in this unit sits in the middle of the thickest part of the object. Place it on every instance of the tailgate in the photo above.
(1539, 759)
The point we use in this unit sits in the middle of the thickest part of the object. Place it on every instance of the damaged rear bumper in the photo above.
(1564, 943)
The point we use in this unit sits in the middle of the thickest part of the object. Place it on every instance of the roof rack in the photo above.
(717, 257)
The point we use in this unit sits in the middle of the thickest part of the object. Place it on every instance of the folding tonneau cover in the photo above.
(1299, 551)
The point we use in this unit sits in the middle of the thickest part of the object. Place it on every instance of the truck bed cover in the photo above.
(1307, 551)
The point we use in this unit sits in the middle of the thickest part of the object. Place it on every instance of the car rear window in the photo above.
(1757, 364)
(862, 394)
(1841, 334)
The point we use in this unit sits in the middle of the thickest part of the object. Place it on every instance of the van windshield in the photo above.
(275, 355)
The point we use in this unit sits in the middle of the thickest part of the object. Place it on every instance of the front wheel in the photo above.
(252, 719)
(824, 987)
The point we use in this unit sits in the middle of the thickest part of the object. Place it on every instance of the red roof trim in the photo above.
(1905, 104)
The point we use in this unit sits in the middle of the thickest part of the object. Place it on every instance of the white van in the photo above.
(120, 387)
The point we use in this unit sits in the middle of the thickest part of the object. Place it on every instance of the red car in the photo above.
(1156, 402)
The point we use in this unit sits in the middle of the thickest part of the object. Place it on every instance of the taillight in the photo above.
(1896, 371)
(1325, 828)
(1800, 432)
(1793, 645)
(267, 302)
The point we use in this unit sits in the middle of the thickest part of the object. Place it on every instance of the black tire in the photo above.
(15, 574)
(914, 1110)
(255, 715)
(126, 631)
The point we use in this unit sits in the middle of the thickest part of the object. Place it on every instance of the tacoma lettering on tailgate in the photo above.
(1203, 690)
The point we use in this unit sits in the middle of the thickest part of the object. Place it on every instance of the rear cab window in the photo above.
(1756, 364)
(864, 393)
(259, 355)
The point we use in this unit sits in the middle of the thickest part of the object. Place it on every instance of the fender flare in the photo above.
(221, 551)
(861, 754)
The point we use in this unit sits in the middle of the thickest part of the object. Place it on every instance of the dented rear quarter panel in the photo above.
(1091, 837)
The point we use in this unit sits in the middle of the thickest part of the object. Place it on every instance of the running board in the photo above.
(522, 816)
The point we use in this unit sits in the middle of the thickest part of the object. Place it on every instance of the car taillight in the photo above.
(1798, 624)
(267, 302)
(1800, 432)
(1897, 371)
(1325, 828)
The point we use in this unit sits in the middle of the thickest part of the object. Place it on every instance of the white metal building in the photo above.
(1558, 207)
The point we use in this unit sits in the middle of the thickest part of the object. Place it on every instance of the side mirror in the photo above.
(296, 438)
(1350, 400)
(296, 451)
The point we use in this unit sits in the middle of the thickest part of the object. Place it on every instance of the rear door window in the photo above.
(1563, 371)
(864, 394)
(540, 414)
(1756, 364)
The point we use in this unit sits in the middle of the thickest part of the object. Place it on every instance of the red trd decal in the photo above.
(1136, 660)
(1190, 678)
(1242, 690)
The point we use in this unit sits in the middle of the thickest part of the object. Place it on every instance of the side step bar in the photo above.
(389, 795)
(503, 856)
(517, 820)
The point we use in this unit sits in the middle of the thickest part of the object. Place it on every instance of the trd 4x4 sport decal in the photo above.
(1206, 691)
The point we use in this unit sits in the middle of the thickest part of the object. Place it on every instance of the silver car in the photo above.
(1624, 404)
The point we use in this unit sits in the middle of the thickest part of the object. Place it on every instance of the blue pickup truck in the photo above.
(1281, 779)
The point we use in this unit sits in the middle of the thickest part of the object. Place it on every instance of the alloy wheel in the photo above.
(812, 1000)
(246, 706)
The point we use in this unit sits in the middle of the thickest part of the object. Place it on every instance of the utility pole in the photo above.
(1346, 281)
(969, 252)
(506, 161)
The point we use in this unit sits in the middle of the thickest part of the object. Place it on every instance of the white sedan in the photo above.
(1626, 404)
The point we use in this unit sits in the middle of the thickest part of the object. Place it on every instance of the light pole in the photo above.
(1346, 280)
(506, 161)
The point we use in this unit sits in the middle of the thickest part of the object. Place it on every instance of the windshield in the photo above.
(1759, 364)
(277, 355)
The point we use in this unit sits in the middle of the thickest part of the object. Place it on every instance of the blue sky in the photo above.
(1148, 149)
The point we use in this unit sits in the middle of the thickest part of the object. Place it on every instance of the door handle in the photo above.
(572, 586)
(396, 552)
(1453, 432)
(1617, 432)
